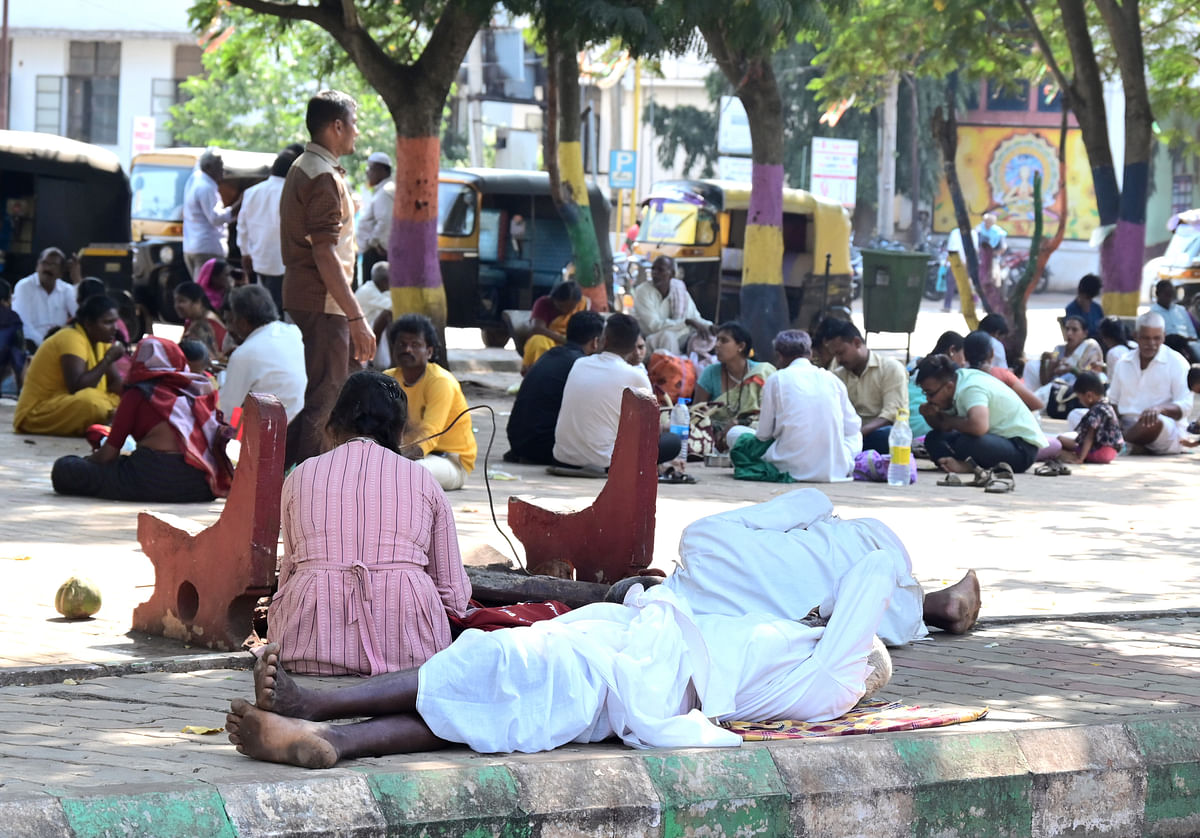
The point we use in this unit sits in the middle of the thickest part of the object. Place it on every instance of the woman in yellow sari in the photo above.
(70, 383)
(548, 320)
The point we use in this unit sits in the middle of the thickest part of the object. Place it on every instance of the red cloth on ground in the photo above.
(507, 616)
(170, 392)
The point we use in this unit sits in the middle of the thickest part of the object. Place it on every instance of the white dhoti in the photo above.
(652, 673)
(785, 557)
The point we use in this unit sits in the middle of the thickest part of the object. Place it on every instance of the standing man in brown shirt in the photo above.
(316, 216)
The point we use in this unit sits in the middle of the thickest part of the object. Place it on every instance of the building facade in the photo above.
(90, 69)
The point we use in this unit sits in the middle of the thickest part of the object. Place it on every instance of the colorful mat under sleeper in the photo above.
(872, 716)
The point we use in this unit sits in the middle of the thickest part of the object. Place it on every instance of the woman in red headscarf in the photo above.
(171, 413)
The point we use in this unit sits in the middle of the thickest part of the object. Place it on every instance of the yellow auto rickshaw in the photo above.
(158, 179)
(502, 244)
(701, 224)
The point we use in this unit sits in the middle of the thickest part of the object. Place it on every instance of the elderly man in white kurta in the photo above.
(667, 314)
(806, 415)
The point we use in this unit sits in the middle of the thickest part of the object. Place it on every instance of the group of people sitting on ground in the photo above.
(165, 403)
(725, 639)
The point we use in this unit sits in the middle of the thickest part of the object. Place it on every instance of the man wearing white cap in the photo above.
(375, 225)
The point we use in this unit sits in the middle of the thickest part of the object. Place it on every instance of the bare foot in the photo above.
(268, 736)
(950, 464)
(274, 689)
(955, 609)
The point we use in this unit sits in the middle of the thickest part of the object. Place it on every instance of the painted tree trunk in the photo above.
(764, 307)
(570, 192)
(413, 270)
(1123, 252)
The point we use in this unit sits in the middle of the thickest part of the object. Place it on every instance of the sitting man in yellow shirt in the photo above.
(435, 401)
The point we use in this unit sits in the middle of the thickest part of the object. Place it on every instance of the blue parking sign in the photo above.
(622, 169)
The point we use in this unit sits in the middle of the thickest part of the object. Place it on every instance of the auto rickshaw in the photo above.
(701, 224)
(62, 193)
(502, 244)
(158, 178)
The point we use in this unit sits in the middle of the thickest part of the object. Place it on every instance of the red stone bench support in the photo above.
(207, 582)
(614, 537)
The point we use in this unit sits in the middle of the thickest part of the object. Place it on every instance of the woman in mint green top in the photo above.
(974, 415)
(728, 392)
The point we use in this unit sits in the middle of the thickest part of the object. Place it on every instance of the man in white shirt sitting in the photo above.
(807, 428)
(270, 356)
(375, 223)
(591, 406)
(44, 301)
(375, 298)
(1148, 387)
(258, 226)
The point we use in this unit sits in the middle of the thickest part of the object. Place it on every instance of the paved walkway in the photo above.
(1091, 593)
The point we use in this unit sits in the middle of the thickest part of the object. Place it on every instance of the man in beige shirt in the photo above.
(877, 386)
(316, 219)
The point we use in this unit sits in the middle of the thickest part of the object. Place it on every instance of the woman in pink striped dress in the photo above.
(371, 564)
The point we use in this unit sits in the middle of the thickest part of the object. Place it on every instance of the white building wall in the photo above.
(32, 57)
(141, 63)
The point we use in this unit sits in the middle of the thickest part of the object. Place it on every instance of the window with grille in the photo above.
(1181, 193)
(93, 81)
(48, 105)
(164, 93)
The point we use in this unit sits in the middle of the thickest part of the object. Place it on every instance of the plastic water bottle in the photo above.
(900, 451)
(681, 422)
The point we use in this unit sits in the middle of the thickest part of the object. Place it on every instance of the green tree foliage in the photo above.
(258, 77)
(695, 131)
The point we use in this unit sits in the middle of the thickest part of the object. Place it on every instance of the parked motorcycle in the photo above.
(1012, 265)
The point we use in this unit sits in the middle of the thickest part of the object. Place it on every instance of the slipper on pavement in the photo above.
(1052, 468)
(951, 479)
(673, 476)
(572, 471)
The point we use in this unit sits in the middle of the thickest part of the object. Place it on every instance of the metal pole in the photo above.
(637, 131)
(4, 68)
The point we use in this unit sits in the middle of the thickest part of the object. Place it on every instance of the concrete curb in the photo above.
(24, 676)
(1140, 777)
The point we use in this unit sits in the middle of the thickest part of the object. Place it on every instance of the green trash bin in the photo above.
(893, 282)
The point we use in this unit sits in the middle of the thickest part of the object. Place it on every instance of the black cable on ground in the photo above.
(487, 485)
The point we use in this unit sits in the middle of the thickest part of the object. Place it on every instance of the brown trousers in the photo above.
(328, 365)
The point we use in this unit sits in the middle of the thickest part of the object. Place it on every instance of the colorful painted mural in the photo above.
(996, 165)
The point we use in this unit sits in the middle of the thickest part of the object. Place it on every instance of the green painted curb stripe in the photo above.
(726, 792)
(969, 785)
(197, 813)
(472, 801)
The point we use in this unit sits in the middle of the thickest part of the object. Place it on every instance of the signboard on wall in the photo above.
(733, 128)
(144, 129)
(835, 170)
(996, 165)
(734, 168)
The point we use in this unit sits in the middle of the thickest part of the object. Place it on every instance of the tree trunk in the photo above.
(413, 269)
(763, 302)
(1018, 294)
(1087, 103)
(570, 187)
(945, 130)
(764, 306)
(1123, 279)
